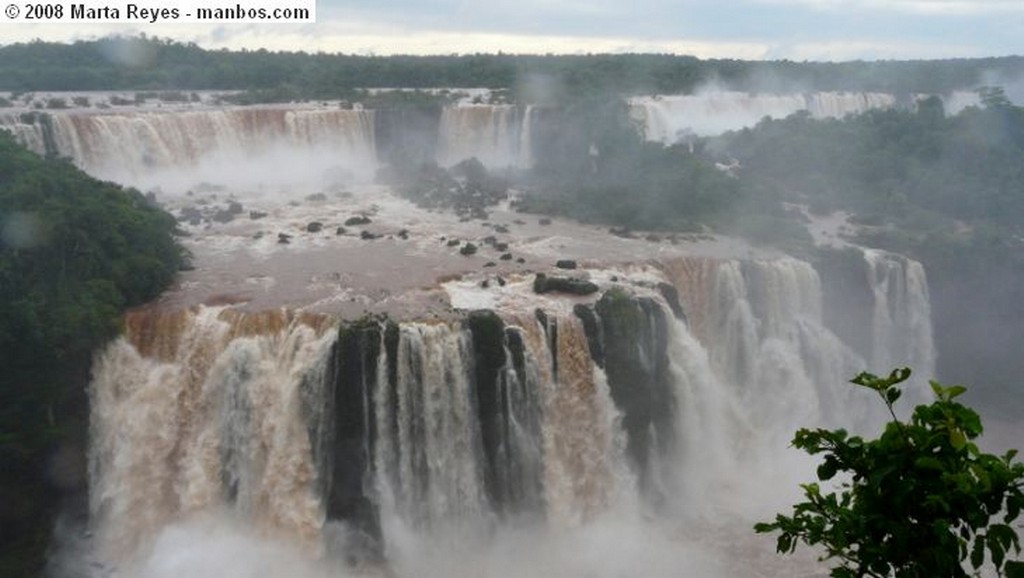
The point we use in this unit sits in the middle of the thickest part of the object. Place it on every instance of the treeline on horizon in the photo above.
(146, 63)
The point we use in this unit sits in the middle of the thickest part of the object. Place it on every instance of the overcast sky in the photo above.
(746, 29)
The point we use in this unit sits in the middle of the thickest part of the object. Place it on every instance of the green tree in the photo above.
(920, 501)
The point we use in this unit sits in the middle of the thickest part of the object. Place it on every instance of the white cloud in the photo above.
(931, 7)
(363, 38)
(869, 50)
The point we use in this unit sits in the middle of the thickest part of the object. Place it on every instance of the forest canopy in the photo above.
(74, 253)
(141, 63)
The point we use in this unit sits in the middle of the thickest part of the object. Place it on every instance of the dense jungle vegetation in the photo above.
(140, 63)
(74, 253)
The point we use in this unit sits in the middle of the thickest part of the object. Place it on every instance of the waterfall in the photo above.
(129, 147)
(671, 118)
(497, 135)
(901, 317)
(492, 439)
(198, 410)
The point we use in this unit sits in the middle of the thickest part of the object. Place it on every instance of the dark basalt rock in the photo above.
(671, 296)
(565, 264)
(354, 368)
(358, 220)
(468, 249)
(633, 332)
(506, 257)
(223, 216)
(314, 227)
(284, 238)
(544, 284)
(454, 242)
(368, 236)
(191, 214)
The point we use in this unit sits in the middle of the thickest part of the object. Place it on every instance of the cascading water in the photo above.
(670, 118)
(901, 320)
(497, 135)
(193, 411)
(139, 147)
(504, 438)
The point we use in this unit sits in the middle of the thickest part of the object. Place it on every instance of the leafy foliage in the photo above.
(920, 501)
(74, 252)
(146, 63)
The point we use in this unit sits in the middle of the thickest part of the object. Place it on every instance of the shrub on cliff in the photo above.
(920, 501)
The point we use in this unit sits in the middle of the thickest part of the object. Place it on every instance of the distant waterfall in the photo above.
(671, 118)
(901, 319)
(497, 135)
(131, 146)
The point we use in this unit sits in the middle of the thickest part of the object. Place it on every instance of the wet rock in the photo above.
(191, 214)
(340, 231)
(357, 220)
(368, 236)
(316, 197)
(671, 296)
(520, 260)
(501, 281)
(506, 257)
(223, 216)
(501, 246)
(490, 264)
(545, 221)
(235, 208)
(574, 286)
(565, 264)
(284, 238)
(454, 242)
(500, 229)
(256, 215)
(403, 234)
(314, 227)
(468, 249)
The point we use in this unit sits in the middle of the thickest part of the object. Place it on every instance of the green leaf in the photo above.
(957, 439)
(954, 391)
(892, 395)
(928, 463)
(1014, 569)
(827, 470)
(978, 553)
